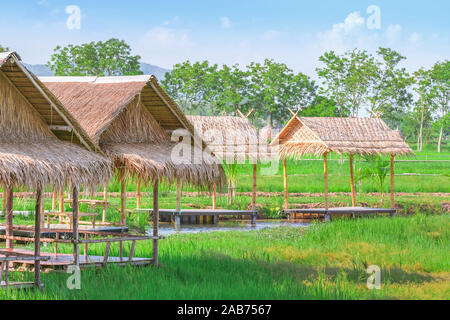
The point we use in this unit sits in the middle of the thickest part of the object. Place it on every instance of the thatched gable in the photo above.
(231, 137)
(130, 118)
(315, 135)
(31, 154)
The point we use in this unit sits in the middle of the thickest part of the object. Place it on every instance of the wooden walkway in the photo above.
(62, 261)
(340, 211)
(215, 213)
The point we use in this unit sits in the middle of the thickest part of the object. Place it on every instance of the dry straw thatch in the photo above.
(231, 137)
(129, 118)
(314, 135)
(30, 153)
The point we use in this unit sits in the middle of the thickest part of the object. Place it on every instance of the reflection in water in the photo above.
(166, 228)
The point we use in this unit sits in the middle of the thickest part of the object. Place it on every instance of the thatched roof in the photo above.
(231, 137)
(32, 149)
(315, 135)
(130, 118)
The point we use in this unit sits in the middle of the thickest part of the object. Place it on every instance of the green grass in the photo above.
(325, 261)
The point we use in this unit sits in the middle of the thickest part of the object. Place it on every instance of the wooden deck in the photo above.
(62, 261)
(215, 213)
(340, 211)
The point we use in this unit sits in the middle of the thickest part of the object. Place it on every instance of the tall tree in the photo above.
(440, 94)
(110, 58)
(3, 49)
(390, 95)
(423, 106)
(347, 79)
(233, 90)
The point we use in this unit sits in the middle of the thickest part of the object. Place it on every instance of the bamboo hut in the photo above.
(131, 119)
(233, 139)
(41, 145)
(320, 136)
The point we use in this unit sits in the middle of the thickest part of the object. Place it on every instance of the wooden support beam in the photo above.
(61, 204)
(138, 196)
(352, 181)
(105, 198)
(392, 182)
(76, 253)
(214, 197)
(155, 222)
(37, 237)
(325, 178)
(178, 196)
(4, 200)
(123, 201)
(255, 171)
(54, 198)
(286, 200)
(60, 128)
(9, 216)
(105, 257)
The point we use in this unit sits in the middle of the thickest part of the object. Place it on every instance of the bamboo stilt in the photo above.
(155, 222)
(76, 253)
(105, 198)
(4, 200)
(392, 182)
(61, 204)
(255, 170)
(123, 201)
(286, 201)
(37, 237)
(325, 176)
(9, 217)
(214, 197)
(54, 199)
(352, 181)
(178, 195)
(138, 196)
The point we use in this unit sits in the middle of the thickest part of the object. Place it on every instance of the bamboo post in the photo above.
(105, 198)
(9, 216)
(392, 181)
(123, 201)
(325, 178)
(76, 253)
(4, 200)
(37, 237)
(255, 171)
(178, 195)
(286, 201)
(61, 204)
(138, 196)
(54, 198)
(155, 222)
(352, 181)
(43, 214)
(214, 197)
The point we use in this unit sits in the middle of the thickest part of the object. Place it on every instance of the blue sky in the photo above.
(294, 32)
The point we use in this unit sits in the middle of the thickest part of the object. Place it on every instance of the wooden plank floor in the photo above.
(64, 260)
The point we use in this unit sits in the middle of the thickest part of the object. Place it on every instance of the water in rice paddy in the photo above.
(166, 228)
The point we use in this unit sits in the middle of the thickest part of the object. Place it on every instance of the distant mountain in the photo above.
(43, 71)
(158, 72)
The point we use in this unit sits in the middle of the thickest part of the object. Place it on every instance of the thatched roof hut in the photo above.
(231, 137)
(314, 135)
(131, 118)
(41, 144)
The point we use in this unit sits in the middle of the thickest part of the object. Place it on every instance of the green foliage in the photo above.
(377, 169)
(3, 49)
(110, 58)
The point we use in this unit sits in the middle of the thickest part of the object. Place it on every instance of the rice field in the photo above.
(324, 261)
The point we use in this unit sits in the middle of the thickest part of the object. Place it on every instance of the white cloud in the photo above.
(44, 3)
(270, 35)
(393, 33)
(415, 38)
(225, 23)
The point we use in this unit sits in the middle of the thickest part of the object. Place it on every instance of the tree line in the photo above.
(351, 84)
